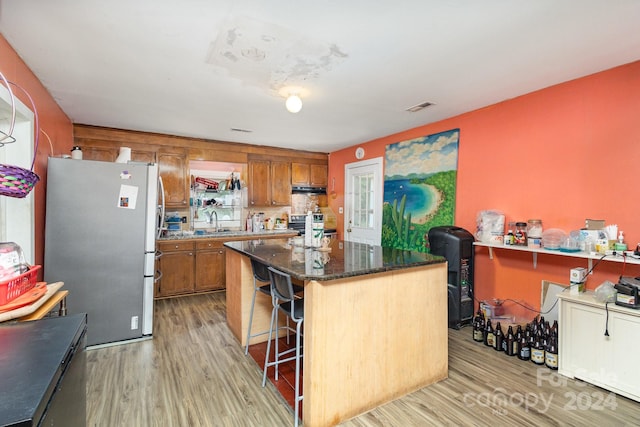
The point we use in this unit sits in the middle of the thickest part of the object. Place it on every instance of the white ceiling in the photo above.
(203, 67)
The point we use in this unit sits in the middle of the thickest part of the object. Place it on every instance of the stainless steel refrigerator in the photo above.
(100, 241)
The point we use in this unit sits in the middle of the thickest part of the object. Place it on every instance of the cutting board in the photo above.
(27, 298)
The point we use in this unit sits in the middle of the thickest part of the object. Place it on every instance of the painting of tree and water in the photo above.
(419, 188)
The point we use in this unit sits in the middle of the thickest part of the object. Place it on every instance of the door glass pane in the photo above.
(363, 197)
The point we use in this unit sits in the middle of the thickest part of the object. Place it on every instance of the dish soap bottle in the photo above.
(620, 245)
(249, 222)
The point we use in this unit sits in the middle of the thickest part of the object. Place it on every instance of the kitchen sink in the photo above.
(211, 232)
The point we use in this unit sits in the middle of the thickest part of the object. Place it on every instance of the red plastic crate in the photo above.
(13, 288)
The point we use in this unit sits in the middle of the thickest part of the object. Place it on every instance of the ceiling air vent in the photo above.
(419, 106)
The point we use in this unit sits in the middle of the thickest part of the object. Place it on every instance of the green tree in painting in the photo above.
(398, 231)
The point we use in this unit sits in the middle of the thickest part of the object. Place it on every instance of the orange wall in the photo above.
(562, 154)
(52, 120)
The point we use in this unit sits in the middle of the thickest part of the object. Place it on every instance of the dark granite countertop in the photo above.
(227, 235)
(345, 259)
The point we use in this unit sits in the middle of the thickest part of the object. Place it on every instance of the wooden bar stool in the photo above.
(284, 300)
(261, 275)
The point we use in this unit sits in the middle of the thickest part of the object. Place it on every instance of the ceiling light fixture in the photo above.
(293, 103)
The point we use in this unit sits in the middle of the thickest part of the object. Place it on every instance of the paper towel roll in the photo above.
(124, 155)
(308, 229)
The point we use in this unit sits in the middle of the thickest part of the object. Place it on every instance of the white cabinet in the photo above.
(585, 351)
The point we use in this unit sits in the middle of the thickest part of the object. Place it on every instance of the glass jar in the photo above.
(521, 234)
(534, 228)
(76, 153)
(534, 233)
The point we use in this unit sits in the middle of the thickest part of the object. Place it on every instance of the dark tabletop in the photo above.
(345, 259)
(31, 355)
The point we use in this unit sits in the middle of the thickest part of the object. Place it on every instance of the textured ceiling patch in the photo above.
(270, 56)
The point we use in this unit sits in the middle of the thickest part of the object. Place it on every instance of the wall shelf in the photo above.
(590, 257)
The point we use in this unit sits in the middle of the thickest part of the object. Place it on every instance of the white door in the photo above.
(363, 201)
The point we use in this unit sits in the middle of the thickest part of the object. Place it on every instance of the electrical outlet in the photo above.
(134, 323)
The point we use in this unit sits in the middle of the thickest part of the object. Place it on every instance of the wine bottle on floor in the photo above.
(510, 343)
(499, 337)
(478, 327)
(524, 348)
(489, 334)
(537, 350)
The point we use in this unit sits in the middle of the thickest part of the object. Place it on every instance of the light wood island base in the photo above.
(368, 339)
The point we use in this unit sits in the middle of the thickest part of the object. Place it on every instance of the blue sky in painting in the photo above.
(424, 155)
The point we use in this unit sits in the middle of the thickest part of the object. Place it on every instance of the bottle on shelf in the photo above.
(509, 238)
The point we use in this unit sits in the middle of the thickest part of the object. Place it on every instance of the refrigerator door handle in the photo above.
(161, 213)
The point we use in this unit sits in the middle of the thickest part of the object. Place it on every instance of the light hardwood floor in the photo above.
(194, 373)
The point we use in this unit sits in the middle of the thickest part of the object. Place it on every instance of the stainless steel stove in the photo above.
(296, 222)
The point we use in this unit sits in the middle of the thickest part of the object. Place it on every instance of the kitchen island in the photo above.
(375, 323)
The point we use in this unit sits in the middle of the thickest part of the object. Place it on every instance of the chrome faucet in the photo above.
(212, 213)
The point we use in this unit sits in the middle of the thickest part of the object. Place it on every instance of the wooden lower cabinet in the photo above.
(210, 268)
(177, 265)
(196, 265)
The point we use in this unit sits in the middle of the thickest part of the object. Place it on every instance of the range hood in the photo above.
(308, 190)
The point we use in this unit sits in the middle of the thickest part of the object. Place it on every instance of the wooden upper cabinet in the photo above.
(280, 183)
(269, 183)
(173, 170)
(110, 154)
(300, 174)
(143, 156)
(305, 174)
(259, 186)
(318, 175)
(104, 154)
